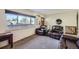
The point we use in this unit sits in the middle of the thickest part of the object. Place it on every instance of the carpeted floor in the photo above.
(38, 42)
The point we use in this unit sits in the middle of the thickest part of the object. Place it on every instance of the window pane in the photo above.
(21, 20)
(32, 20)
(27, 20)
(11, 19)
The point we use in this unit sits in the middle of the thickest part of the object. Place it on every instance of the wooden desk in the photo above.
(7, 36)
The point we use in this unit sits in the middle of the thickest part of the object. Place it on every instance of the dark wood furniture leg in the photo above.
(10, 41)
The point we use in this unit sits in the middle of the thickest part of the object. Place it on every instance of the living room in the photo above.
(24, 35)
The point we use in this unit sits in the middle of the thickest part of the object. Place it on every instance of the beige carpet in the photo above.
(38, 42)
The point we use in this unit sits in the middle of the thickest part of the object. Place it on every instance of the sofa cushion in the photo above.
(77, 43)
(71, 45)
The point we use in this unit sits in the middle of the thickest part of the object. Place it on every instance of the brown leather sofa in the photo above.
(56, 32)
(69, 42)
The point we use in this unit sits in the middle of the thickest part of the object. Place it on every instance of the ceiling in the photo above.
(51, 11)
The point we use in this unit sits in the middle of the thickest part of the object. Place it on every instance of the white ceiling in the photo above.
(51, 11)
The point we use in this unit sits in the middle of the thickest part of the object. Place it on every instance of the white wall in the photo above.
(2, 21)
(17, 34)
(68, 19)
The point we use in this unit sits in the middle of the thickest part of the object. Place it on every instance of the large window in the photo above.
(14, 18)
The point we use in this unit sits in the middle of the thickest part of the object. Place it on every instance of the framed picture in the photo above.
(71, 30)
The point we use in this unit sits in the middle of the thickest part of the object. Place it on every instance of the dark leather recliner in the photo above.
(41, 30)
(56, 32)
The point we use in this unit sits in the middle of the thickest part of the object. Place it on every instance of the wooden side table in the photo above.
(7, 36)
